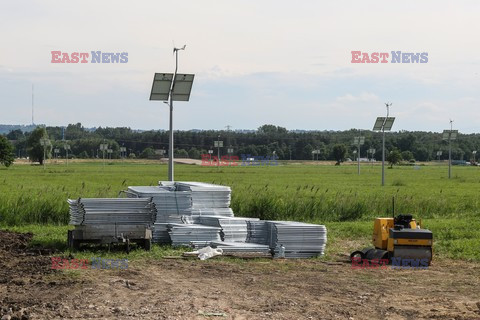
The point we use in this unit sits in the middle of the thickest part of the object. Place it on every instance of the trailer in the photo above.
(111, 234)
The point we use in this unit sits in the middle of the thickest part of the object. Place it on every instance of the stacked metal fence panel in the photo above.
(171, 205)
(300, 240)
(207, 199)
(90, 211)
(257, 232)
(186, 234)
(234, 247)
(194, 213)
(232, 229)
(160, 233)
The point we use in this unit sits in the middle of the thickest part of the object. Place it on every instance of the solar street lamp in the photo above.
(358, 141)
(372, 152)
(171, 87)
(384, 124)
(450, 135)
(66, 147)
(123, 152)
(45, 142)
(103, 148)
(160, 152)
(439, 153)
(218, 144)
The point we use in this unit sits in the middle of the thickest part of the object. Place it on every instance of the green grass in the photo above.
(331, 195)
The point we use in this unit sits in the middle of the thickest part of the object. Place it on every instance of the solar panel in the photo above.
(161, 86)
(378, 124)
(182, 87)
(389, 123)
(453, 134)
(449, 134)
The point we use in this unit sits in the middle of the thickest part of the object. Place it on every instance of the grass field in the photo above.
(31, 198)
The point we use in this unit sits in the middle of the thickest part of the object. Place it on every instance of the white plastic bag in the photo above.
(208, 252)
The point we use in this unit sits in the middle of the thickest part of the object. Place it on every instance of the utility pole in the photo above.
(218, 151)
(383, 143)
(33, 123)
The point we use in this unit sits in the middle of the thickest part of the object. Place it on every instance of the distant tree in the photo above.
(147, 153)
(407, 156)
(194, 153)
(83, 155)
(394, 157)
(34, 148)
(181, 153)
(15, 135)
(271, 129)
(422, 154)
(6, 152)
(339, 152)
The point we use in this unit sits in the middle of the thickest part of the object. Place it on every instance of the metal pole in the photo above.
(170, 149)
(383, 157)
(44, 154)
(218, 152)
(450, 151)
(449, 157)
(383, 146)
(358, 156)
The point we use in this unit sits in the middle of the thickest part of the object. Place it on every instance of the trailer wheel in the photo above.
(69, 239)
(75, 244)
(147, 244)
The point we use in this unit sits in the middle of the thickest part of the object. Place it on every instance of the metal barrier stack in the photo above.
(193, 234)
(300, 240)
(199, 214)
(232, 229)
(91, 211)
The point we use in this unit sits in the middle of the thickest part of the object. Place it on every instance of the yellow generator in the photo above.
(398, 237)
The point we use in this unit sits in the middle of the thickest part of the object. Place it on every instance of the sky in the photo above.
(287, 63)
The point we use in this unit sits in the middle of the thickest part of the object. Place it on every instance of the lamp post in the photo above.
(210, 152)
(168, 87)
(358, 141)
(67, 147)
(103, 148)
(218, 144)
(372, 152)
(450, 135)
(384, 124)
(45, 142)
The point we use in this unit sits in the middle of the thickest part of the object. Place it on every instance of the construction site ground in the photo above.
(231, 289)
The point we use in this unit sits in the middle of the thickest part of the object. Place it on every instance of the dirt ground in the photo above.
(231, 289)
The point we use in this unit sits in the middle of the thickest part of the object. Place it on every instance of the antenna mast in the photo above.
(33, 123)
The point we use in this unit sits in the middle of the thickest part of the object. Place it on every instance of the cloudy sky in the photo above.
(286, 63)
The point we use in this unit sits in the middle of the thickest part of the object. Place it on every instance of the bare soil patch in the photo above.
(231, 289)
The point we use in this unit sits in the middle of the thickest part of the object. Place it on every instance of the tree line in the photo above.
(267, 140)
